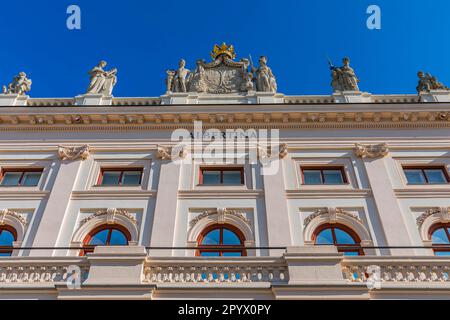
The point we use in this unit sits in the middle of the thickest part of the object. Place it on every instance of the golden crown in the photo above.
(223, 49)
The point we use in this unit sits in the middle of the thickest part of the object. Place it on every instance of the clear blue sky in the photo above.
(143, 38)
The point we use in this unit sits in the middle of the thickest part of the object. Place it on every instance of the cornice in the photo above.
(23, 195)
(428, 193)
(321, 193)
(220, 194)
(113, 194)
(336, 116)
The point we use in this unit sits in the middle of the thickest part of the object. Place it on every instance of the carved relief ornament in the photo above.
(331, 215)
(171, 153)
(74, 153)
(111, 215)
(441, 214)
(371, 151)
(269, 153)
(221, 213)
(5, 213)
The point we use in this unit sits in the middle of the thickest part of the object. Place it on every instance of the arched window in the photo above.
(7, 236)
(440, 237)
(346, 241)
(221, 241)
(106, 235)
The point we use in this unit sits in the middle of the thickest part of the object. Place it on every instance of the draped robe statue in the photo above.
(344, 78)
(264, 78)
(102, 82)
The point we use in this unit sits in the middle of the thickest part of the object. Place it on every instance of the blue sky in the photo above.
(143, 38)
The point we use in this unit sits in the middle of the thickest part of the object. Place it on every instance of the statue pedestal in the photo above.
(435, 96)
(13, 100)
(352, 97)
(93, 100)
(251, 97)
(268, 97)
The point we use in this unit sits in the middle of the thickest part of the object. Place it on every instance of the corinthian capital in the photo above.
(74, 153)
(371, 151)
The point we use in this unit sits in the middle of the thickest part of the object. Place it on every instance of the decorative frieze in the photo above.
(74, 153)
(442, 214)
(371, 151)
(330, 215)
(6, 213)
(110, 215)
(221, 215)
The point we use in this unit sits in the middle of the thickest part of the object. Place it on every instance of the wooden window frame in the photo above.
(23, 171)
(87, 248)
(322, 176)
(122, 171)
(443, 168)
(221, 248)
(440, 247)
(8, 249)
(222, 170)
(341, 247)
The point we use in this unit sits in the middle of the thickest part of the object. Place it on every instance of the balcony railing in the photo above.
(396, 270)
(215, 270)
(51, 270)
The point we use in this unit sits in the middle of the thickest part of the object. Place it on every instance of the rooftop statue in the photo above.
(179, 79)
(427, 83)
(344, 78)
(102, 82)
(20, 85)
(222, 75)
(264, 78)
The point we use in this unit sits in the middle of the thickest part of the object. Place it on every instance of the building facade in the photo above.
(99, 199)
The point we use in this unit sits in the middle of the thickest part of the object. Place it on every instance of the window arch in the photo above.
(221, 240)
(341, 236)
(8, 235)
(440, 237)
(106, 235)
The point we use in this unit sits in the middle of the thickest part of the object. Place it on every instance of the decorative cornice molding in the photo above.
(6, 212)
(111, 215)
(371, 151)
(74, 153)
(221, 216)
(442, 214)
(263, 116)
(331, 214)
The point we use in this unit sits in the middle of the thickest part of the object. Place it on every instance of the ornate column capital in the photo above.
(371, 151)
(74, 153)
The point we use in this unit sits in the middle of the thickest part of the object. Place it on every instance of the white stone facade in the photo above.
(72, 140)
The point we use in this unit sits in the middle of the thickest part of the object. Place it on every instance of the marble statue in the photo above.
(427, 83)
(180, 77)
(169, 80)
(264, 79)
(20, 85)
(197, 80)
(344, 78)
(102, 82)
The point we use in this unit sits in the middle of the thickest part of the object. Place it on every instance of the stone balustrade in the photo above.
(214, 270)
(395, 270)
(25, 270)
